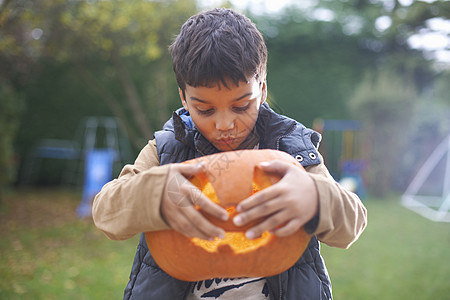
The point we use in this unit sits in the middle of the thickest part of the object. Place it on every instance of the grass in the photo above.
(400, 255)
(46, 252)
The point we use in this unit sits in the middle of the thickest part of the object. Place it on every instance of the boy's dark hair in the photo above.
(215, 46)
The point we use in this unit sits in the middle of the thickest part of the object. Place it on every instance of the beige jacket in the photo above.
(131, 203)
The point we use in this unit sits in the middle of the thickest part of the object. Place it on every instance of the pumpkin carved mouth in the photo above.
(227, 194)
(230, 177)
(234, 241)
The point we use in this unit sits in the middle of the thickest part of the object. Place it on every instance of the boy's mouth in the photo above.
(226, 141)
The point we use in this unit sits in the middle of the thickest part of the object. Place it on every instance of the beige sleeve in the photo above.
(342, 216)
(131, 203)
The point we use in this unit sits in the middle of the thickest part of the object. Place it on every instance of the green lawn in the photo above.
(47, 253)
(400, 255)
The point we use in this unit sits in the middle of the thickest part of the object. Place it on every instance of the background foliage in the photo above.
(10, 108)
(67, 60)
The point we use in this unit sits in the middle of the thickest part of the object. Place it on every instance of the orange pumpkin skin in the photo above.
(230, 177)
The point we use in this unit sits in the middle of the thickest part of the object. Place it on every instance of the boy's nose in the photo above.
(224, 122)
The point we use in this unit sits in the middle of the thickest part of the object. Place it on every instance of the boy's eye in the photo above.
(205, 111)
(241, 108)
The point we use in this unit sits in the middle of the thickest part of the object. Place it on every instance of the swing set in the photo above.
(428, 194)
(343, 152)
(99, 149)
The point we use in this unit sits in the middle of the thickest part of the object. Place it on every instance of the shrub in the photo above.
(384, 102)
(11, 105)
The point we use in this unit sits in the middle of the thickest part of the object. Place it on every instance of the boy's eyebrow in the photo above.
(237, 99)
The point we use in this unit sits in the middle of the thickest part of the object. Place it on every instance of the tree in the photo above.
(11, 105)
(117, 48)
(313, 66)
(318, 55)
(72, 59)
(384, 103)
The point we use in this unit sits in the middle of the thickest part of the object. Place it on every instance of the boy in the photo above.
(219, 59)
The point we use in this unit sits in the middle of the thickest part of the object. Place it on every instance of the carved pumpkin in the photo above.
(230, 177)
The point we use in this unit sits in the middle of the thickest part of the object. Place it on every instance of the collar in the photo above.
(269, 127)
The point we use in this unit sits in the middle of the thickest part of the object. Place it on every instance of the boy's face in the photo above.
(225, 116)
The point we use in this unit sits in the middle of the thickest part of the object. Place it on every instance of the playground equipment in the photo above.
(103, 152)
(342, 149)
(98, 171)
(48, 149)
(429, 192)
(99, 149)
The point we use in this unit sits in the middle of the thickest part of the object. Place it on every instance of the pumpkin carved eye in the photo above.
(230, 177)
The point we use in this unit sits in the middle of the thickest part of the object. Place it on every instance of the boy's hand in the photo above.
(285, 206)
(179, 200)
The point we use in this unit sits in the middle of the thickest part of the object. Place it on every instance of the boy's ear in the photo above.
(264, 91)
(183, 100)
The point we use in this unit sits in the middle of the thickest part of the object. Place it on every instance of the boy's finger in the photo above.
(184, 225)
(291, 227)
(188, 170)
(260, 210)
(208, 206)
(267, 225)
(258, 198)
(191, 231)
(203, 228)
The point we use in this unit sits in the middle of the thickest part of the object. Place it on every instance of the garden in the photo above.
(355, 71)
(47, 252)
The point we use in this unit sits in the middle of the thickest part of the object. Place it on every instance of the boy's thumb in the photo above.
(274, 166)
(188, 170)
